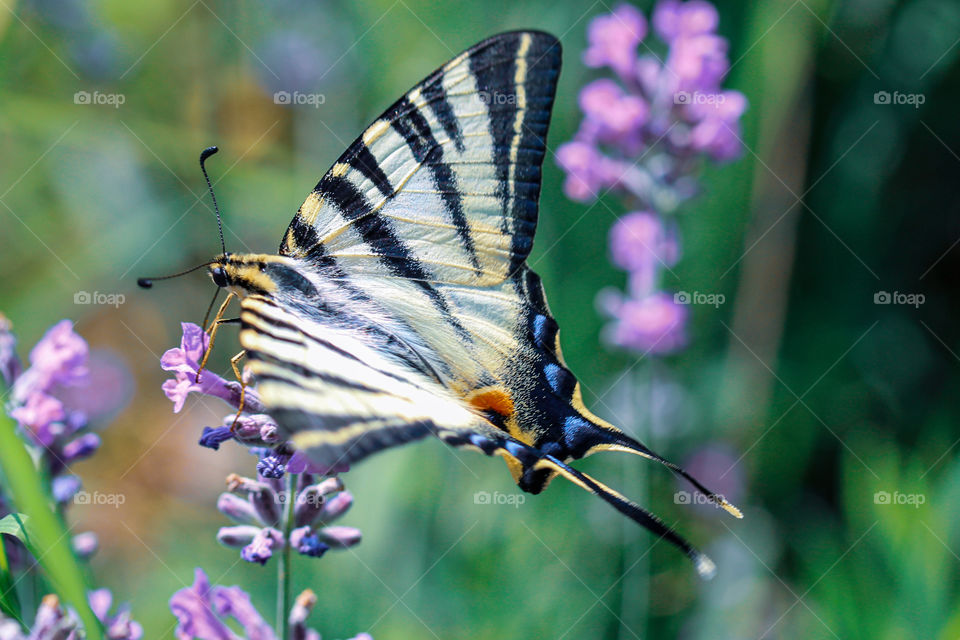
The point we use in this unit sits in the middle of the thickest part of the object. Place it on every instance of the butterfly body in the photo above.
(400, 304)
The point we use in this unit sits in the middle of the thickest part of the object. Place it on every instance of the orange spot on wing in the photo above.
(492, 399)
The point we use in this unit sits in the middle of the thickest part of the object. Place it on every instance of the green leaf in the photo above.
(9, 600)
(15, 524)
(49, 540)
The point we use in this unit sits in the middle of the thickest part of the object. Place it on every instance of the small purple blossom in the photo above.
(202, 611)
(673, 19)
(52, 622)
(257, 504)
(641, 244)
(654, 324)
(613, 39)
(184, 361)
(119, 626)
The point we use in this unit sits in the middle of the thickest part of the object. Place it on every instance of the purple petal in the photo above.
(196, 619)
(82, 447)
(672, 18)
(178, 389)
(653, 324)
(336, 506)
(239, 536)
(100, 601)
(300, 463)
(237, 509)
(234, 602)
(341, 537)
(213, 437)
(307, 542)
(193, 343)
(85, 544)
(64, 487)
(261, 547)
(61, 355)
(37, 414)
(613, 39)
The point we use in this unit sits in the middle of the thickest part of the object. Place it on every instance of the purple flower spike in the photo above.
(261, 548)
(194, 610)
(614, 38)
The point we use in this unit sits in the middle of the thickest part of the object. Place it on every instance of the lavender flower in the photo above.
(56, 433)
(184, 361)
(644, 136)
(202, 611)
(256, 506)
(53, 623)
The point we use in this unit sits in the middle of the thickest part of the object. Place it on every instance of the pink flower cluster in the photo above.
(644, 135)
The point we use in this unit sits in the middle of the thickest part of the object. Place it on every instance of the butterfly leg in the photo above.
(234, 364)
(212, 331)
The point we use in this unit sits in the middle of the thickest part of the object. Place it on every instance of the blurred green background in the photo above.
(799, 398)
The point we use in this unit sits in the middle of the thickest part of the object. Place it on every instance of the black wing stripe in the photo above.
(377, 231)
(416, 131)
(367, 164)
(436, 97)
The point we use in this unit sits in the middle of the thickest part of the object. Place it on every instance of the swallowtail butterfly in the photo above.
(400, 305)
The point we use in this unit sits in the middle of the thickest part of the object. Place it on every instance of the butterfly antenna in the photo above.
(206, 153)
(146, 283)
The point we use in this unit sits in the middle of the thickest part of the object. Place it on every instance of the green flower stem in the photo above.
(283, 567)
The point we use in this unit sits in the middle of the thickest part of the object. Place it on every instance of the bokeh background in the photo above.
(799, 398)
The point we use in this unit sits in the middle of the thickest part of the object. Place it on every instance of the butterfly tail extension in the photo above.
(595, 434)
(534, 461)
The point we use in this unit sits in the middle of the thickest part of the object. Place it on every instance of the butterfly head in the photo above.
(259, 273)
